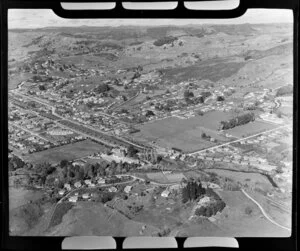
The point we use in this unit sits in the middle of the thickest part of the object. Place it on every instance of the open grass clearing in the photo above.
(22, 196)
(184, 134)
(250, 129)
(90, 218)
(234, 220)
(68, 152)
(251, 179)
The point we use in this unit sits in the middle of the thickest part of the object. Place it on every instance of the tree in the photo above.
(113, 165)
(65, 171)
(131, 151)
(203, 135)
(220, 98)
(101, 88)
(200, 211)
(188, 94)
(185, 195)
(63, 163)
(200, 113)
(159, 158)
(248, 210)
(123, 110)
(42, 87)
(149, 113)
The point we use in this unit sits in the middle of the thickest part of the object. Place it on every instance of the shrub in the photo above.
(248, 210)
(165, 40)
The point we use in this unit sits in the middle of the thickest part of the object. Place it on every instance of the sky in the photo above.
(38, 18)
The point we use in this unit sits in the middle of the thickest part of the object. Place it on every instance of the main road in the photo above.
(80, 124)
(235, 141)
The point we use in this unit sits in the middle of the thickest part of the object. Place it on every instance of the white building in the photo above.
(85, 196)
(165, 193)
(61, 192)
(73, 199)
(67, 186)
(77, 184)
(127, 189)
(112, 189)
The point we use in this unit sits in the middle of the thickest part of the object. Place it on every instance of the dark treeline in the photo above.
(239, 120)
(192, 191)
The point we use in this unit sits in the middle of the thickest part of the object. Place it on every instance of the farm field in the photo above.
(251, 179)
(95, 219)
(250, 129)
(236, 222)
(15, 80)
(68, 152)
(281, 214)
(21, 196)
(184, 134)
(165, 178)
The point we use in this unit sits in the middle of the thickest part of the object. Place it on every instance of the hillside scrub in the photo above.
(165, 40)
(284, 90)
(61, 210)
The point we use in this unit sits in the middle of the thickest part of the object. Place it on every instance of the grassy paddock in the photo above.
(69, 152)
(184, 133)
(250, 128)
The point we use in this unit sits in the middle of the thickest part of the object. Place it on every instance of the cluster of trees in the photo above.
(105, 197)
(217, 206)
(15, 163)
(131, 151)
(90, 171)
(149, 113)
(102, 88)
(187, 95)
(166, 107)
(205, 136)
(284, 90)
(192, 190)
(42, 88)
(230, 184)
(200, 113)
(239, 120)
(165, 40)
(205, 94)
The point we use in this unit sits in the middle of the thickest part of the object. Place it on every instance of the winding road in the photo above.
(78, 189)
(263, 211)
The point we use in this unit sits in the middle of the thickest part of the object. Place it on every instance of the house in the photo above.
(174, 187)
(165, 193)
(73, 199)
(204, 200)
(61, 192)
(77, 184)
(85, 196)
(213, 185)
(67, 186)
(112, 189)
(88, 182)
(127, 189)
(101, 181)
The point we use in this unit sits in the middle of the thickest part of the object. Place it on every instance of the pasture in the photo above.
(184, 134)
(68, 152)
(166, 178)
(250, 129)
(251, 179)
